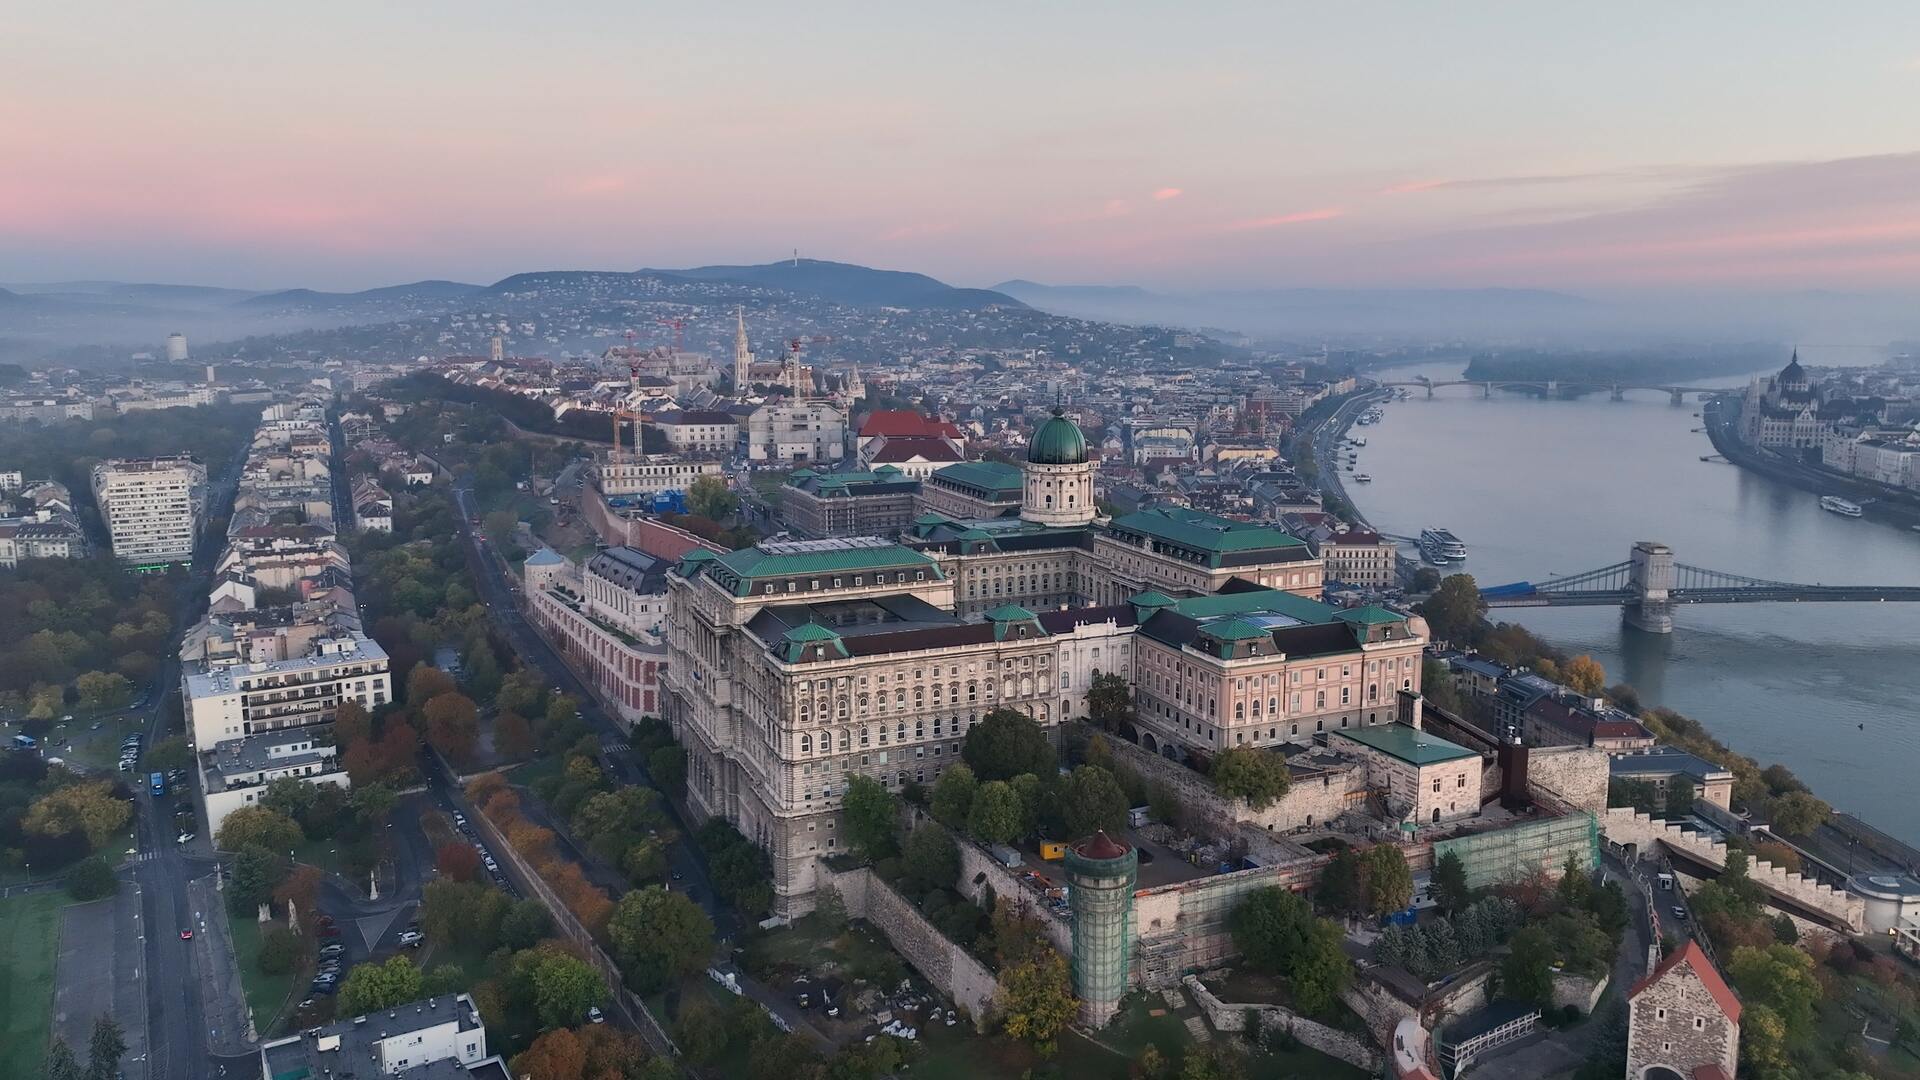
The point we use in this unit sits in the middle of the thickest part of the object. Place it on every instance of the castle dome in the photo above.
(1058, 442)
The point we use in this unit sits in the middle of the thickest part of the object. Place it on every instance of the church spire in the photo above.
(742, 355)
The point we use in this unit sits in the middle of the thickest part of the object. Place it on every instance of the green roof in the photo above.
(1235, 630)
(816, 557)
(1278, 601)
(1413, 747)
(991, 476)
(1009, 613)
(1370, 614)
(797, 640)
(1200, 531)
(810, 631)
(1153, 598)
(1058, 442)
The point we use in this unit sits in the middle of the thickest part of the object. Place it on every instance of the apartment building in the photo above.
(878, 503)
(650, 474)
(254, 696)
(152, 507)
(436, 1037)
(606, 618)
(699, 431)
(238, 771)
(798, 432)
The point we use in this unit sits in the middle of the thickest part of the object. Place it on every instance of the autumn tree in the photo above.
(457, 861)
(257, 826)
(512, 736)
(1389, 881)
(1584, 674)
(1779, 854)
(453, 725)
(555, 1055)
(1036, 1001)
(424, 683)
(351, 723)
(89, 808)
(1798, 813)
(299, 890)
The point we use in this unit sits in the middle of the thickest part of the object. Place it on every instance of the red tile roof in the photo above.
(906, 448)
(906, 422)
(1710, 1072)
(1696, 960)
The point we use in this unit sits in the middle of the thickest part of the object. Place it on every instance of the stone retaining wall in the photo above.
(1576, 775)
(1579, 991)
(1226, 1016)
(977, 863)
(1623, 825)
(1314, 801)
(950, 969)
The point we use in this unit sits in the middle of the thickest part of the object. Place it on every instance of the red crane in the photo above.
(679, 331)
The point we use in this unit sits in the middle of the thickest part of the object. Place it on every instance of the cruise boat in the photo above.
(1357, 442)
(1837, 505)
(1441, 547)
(1362, 478)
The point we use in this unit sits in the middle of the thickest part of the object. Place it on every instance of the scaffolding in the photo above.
(1519, 851)
(1102, 876)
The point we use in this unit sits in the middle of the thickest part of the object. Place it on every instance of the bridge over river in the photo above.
(1650, 584)
(1551, 387)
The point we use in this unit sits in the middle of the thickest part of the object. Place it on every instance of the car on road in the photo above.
(97, 725)
(332, 949)
(1680, 913)
(184, 838)
(595, 1016)
(412, 938)
(328, 931)
(186, 935)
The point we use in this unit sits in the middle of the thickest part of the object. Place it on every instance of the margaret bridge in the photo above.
(1551, 387)
(1650, 584)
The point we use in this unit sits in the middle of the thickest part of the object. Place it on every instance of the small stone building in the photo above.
(1683, 1021)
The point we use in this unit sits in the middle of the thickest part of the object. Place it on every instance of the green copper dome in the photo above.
(1058, 442)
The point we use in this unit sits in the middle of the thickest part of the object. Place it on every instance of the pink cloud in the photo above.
(1298, 218)
(1409, 186)
(1166, 193)
(927, 228)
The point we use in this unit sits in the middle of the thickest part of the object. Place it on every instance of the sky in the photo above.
(1623, 146)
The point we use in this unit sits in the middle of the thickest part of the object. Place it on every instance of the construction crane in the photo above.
(679, 332)
(639, 442)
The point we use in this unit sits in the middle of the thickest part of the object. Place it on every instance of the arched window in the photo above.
(806, 744)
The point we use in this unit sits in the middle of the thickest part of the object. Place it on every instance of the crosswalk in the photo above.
(144, 856)
(614, 746)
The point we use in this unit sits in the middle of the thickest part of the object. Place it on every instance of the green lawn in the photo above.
(471, 961)
(29, 943)
(539, 768)
(266, 994)
(327, 853)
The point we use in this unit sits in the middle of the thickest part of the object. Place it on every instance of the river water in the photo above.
(1537, 487)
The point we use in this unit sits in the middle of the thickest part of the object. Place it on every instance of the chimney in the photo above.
(1512, 757)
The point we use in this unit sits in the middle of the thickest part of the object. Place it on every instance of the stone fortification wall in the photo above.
(980, 871)
(1623, 825)
(1333, 1042)
(952, 970)
(1314, 801)
(1576, 775)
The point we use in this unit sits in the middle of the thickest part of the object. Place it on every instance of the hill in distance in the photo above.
(860, 286)
(416, 290)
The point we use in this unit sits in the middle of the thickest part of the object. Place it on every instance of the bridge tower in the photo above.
(1619, 394)
(1679, 396)
(1651, 579)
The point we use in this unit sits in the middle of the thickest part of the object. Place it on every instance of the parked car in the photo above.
(595, 1016)
(186, 935)
(332, 949)
(1680, 913)
(183, 838)
(412, 938)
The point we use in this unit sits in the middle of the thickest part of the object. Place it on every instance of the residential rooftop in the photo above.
(1416, 748)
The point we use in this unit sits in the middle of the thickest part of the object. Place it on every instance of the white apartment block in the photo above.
(410, 1039)
(650, 474)
(152, 507)
(236, 773)
(233, 701)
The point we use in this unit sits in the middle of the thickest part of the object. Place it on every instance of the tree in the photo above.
(1585, 675)
(1779, 854)
(953, 796)
(1037, 1001)
(1343, 883)
(1639, 794)
(1680, 796)
(701, 1032)
(1109, 701)
(105, 1049)
(280, 950)
(1218, 1061)
(512, 736)
(91, 879)
(1091, 800)
(1781, 978)
(1575, 889)
(1526, 975)
(1005, 744)
(351, 724)
(90, 808)
(667, 765)
(1764, 1043)
(709, 497)
(1453, 609)
(425, 682)
(867, 811)
(256, 873)
(996, 813)
(371, 804)
(370, 986)
(1389, 881)
(555, 1055)
(931, 858)
(564, 988)
(1449, 884)
(257, 826)
(169, 754)
(61, 1064)
(525, 924)
(1258, 776)
(104, 690)
(659, 937)
(457, 861)
(1798, 813)
(1425, 580)
(299, 889)
(453, 725)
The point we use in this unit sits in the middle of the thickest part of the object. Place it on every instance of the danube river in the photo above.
(1537, 488)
